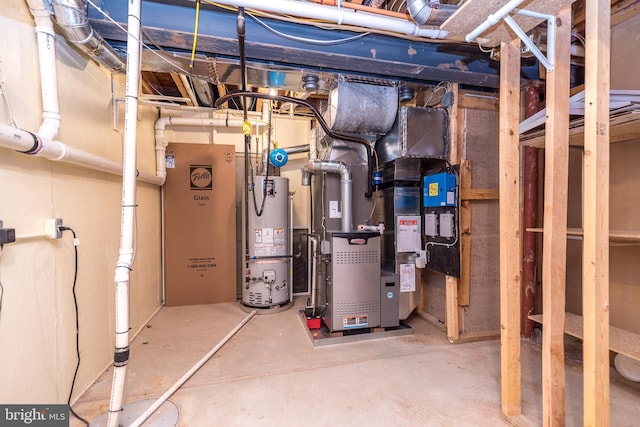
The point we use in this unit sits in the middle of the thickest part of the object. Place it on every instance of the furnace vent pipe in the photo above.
(426, 12)
(346, 187)
(339, 15)
(72, 18)
(46, 39)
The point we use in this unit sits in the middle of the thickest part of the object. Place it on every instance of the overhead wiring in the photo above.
(195, 36)
(113, 21)
(326, 25)
(304, 39)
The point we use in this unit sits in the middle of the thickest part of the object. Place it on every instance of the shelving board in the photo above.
(620, 340)
(623, 127)
(616, 236)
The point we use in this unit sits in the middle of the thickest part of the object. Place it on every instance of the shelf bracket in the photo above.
(503, 14)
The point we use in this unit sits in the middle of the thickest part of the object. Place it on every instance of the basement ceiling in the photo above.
(282, 52)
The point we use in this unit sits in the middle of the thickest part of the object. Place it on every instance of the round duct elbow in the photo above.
(426, 12)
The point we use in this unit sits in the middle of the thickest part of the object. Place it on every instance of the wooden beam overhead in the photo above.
(510, 264)
(554, 247)
(595, 217)
(474, 12)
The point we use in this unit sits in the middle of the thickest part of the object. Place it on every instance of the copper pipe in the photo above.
(530, 214)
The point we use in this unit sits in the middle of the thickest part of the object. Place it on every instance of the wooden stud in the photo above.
(554, 243)
(464, 283)
(451, 283)
(451, 307)
(510, 263)
(595, 217)
(479, 194)
(180, 85)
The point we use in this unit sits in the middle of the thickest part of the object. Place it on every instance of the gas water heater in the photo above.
(267, 270)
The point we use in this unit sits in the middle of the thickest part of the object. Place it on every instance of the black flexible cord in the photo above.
(75, 302)
(241, 30)
(323, 124)
(1, 287)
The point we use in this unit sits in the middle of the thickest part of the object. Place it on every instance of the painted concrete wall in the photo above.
(37, 326)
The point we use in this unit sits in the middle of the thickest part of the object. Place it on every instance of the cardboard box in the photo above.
(200, 224)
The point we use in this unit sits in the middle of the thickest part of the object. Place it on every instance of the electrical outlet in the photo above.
(7, 235)
(52, 228)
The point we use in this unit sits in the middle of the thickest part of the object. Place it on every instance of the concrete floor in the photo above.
(270, 374)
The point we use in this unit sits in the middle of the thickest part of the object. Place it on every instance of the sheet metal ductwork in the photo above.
(362, 108)
(426, 12)
(72, 18)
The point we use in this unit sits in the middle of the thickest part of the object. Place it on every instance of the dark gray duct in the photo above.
(72, 18)
(426, 12)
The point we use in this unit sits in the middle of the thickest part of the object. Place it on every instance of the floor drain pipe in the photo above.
(125, 259)
(167, 394)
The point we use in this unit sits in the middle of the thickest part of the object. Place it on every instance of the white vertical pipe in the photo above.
(47, 61)
(346, 187)
(125, 259)
(167, 394)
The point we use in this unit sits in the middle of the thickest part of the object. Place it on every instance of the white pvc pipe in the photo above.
(346, 187)
(339, 15)
(167, 394)
(125, 259)
(493, 19)
(46, 40)
(43, 143)
(24, 141)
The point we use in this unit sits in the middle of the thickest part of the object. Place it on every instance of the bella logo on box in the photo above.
(201, 177)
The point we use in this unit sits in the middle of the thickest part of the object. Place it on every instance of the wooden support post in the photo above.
(554, 245)
(510, 268)
(595, 219)
(451, 283)
(464, 284)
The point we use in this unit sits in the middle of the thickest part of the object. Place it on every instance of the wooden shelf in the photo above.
(620, 340)
(623, 127)
(615, 236)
